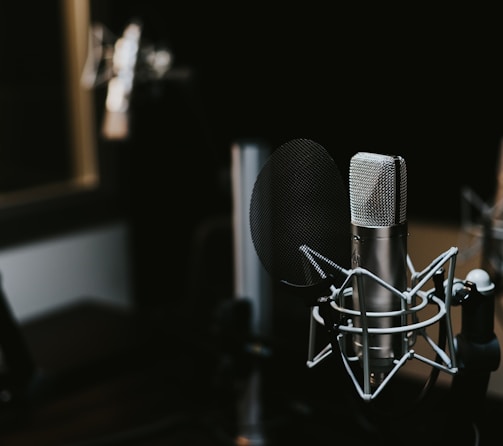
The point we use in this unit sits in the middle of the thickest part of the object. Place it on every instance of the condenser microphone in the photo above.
(346, 258)
(378, 204)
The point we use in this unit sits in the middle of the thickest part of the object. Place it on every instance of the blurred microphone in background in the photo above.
(120, 85)
(121, 62)
(482, 227)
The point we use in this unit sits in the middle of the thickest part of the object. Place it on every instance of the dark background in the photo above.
(424, 84)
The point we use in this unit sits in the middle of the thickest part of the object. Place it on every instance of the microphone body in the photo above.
(379, 245)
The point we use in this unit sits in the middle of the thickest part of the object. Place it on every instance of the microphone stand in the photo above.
(477, 347)
(252, 287)
(478, 350)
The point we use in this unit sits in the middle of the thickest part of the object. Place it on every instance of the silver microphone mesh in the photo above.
(377, 190)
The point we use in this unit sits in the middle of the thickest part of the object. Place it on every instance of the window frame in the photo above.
(86, 197)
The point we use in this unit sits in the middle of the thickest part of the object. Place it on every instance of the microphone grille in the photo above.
(377, 189)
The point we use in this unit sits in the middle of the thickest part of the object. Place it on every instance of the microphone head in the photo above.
(377, 190)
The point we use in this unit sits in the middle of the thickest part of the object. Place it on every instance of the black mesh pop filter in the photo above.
(299, 199)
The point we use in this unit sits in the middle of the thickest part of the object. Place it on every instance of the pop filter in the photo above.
(299, 200)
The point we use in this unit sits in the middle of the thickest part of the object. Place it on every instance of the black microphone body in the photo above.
(379, 244)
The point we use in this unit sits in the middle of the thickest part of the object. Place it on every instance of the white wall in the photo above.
(43, 276)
